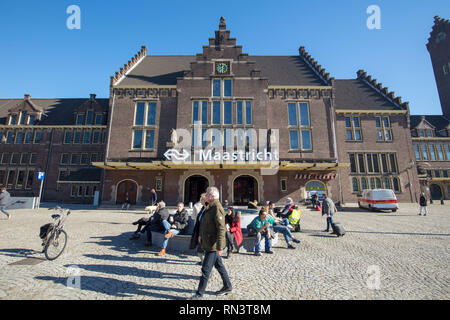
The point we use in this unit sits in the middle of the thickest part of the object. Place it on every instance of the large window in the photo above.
(144, 125)
(353, 128)
(222, 88)
(373, 163)
(299, 126)
(384, 131)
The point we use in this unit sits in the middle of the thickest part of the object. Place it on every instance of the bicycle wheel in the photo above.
(55, 245)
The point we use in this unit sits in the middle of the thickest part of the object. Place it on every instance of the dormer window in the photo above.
(13, 119)
(80, 118)
(90, 117)
(441, 37)
(429, 133)
(31, 119)
(23, 117)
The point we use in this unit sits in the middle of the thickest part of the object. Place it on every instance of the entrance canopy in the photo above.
(164, 165)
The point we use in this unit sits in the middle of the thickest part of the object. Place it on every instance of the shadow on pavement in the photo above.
(20, 253)
(119, 288)
(130, 258)
(133, 271)
(403, 233)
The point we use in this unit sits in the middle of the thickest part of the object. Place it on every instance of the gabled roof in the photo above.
(164, 70)
(286, 70)
(366, 93)
(156, 70)
(55, 111)
(437, 121)
(355, 94)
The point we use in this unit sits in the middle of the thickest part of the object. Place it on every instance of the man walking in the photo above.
(5, 199)
(213, 241)
(329, 209)
(423, 204)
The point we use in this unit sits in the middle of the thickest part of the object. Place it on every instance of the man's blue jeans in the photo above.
(168, 227)
(329, 222)
(285, 231)
(212, 259)
(2, 209)
(267, 242)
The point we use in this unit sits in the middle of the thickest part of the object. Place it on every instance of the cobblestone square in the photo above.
(411, 253)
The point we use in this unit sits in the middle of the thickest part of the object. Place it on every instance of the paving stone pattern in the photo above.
(410, 251)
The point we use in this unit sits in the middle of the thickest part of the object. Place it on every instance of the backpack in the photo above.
(45, 230)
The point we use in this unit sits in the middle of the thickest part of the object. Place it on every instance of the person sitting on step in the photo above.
(174, 225)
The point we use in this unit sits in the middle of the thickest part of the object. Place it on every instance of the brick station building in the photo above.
(334, 135)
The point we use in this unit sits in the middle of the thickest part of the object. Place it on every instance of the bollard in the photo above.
(442, 201)
(431, 201)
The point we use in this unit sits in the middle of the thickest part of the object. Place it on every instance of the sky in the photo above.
(41, 56)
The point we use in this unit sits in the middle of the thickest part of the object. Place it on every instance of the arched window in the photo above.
(355, 184)
(363, 183)
(378, 183)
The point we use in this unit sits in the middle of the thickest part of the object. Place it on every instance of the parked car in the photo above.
(378, 199)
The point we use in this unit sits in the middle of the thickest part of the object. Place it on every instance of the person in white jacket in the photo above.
(5, 199)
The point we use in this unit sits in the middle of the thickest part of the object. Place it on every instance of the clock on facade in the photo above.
(222, 68)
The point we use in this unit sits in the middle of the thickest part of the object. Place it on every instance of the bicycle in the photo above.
(53, 235)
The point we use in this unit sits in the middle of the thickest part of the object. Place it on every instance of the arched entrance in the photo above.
(126, 188)
(245, 189)
(436, 192)
(194, 186)
(315, 187)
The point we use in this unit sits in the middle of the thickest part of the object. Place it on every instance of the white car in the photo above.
(378, 199)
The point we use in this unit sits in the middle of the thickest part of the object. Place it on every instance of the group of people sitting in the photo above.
(265, 225)
(268, 222)
(162, 221)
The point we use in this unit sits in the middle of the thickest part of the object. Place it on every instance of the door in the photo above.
(436, 192)
(245, 190)
(126, 189)
(194, 187)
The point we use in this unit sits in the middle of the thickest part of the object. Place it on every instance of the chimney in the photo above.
(27, 96)
(92, 96)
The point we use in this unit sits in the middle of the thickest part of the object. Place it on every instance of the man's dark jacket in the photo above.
(212, 227)
(180, 219)
(196, 232)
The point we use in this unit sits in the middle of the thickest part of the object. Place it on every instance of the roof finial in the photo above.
(222, 24)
